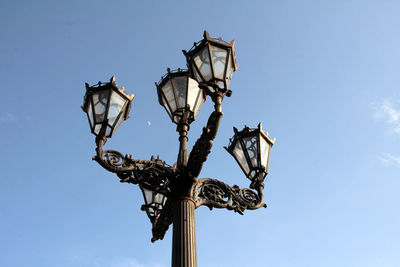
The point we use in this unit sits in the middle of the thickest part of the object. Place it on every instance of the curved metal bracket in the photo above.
(153, 174)
(216, 194)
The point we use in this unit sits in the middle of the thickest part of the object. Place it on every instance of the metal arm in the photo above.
(216, 194)
(153, 174)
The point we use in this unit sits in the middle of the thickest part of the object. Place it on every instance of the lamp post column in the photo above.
(184, 234)
(184, 231)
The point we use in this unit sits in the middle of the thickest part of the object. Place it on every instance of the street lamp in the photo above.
(172, 193)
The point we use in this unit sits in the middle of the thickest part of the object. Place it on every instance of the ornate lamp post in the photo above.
(172, 193)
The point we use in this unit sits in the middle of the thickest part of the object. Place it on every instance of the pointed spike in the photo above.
(112, 80)
(206, 35)
(86, 85)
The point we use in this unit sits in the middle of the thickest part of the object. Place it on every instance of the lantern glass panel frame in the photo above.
(107, 106)
(154, 202)
(251, 150)
(212, 61)
(180, 95)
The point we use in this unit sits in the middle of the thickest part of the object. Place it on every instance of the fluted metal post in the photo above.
(184, 234)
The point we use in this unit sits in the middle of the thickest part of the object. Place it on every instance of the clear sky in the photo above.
(322, 77)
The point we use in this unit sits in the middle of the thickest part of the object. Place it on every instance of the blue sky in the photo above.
(322, 77)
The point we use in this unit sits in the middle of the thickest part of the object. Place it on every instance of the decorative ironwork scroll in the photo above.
(203, 145)
(216, 194)
(153, 174)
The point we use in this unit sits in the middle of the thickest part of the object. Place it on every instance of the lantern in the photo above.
(154, 203)
(106, 106)
(251, 149)
(180, 95)
(212, 62)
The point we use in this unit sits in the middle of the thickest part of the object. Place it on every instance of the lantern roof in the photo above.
(170, 74)
(247, 131)
(107, 105)
(214, 41)
(102, 86)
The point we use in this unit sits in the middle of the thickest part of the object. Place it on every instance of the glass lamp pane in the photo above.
(100, 100)
(165, 104)
(148, 196)
(193, 92)
(252, 149)
(240, 157)
(221, 84)
(211, 89)
(196, 73)
(264, 146)
(218, 56)
(202, 61)
(90, 114)
(199, 102)
(97, 129)
(229, 71)
(108, 130)
(180, 85)
(169, 96)
(120, 120)
(158, 199)
(117, 102)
